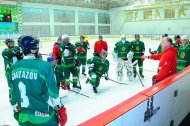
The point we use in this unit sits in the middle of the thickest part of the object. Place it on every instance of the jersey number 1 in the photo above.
(25, 101)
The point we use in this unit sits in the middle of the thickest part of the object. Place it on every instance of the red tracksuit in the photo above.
(57, 53)
(99, 46)
(168, 63)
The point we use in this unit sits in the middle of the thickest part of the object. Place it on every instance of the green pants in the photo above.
(140, 64)
(179, 68)
(73, 71)
(52, 122)
(94, 79)
(83, 62)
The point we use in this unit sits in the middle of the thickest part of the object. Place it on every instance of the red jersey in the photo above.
(168, 62)
(100, 45)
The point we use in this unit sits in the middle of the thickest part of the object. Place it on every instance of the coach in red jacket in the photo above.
(100, 45)
(56, 50)
(168, 60)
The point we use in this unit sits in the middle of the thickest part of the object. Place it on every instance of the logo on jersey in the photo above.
(137, 48)
(41, 114)
(100, 68)
(123, 48)
(182, 55)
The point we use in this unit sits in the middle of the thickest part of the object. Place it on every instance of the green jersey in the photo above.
(68, 61)
(59, 73)
(122, 49)
(176, 45)
(32, 86)
(159, 49)
(183, 57)
(81, 55)
(138, 48)
(11, 56)
(100, 67)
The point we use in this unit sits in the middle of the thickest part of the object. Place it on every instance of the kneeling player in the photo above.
(97, 67)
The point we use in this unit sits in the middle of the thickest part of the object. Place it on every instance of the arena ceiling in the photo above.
(97, 4)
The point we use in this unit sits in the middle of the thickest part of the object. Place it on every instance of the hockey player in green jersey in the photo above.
(183, 57)
(97, 67)
(69, 62)
(11, 54)
(81, 48)
(34, 93)
(138, 49)
(177, 43)
(121, 48)
(59, 73)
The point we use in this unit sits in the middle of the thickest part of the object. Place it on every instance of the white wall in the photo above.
(155, 26)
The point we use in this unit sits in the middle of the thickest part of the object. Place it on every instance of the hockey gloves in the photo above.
(154, 81)
(90, 67)
(80, 49)
(142, 59)
(106, 76)
(64, 85)
(62, 115)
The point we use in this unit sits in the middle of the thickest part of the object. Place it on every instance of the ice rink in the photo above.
(80, 108)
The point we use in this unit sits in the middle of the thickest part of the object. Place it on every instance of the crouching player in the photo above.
(97, 67)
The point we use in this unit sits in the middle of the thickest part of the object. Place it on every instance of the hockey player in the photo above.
(99, 46)
(81, 48)
(11, 54)
(168, 60)
(97, 67)
(34, 93)
(69, 62)
(56, 50)
(183, 57)
(121, 50)
(138, 49)
(59, 73)
(177, 39)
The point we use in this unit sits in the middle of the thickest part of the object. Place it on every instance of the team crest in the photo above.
(100, 68)
(137, 48)
(123, 48)
(182, 55)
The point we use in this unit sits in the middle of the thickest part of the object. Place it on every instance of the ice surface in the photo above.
(80, 108)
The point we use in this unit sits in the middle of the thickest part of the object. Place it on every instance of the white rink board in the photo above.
(171, 108)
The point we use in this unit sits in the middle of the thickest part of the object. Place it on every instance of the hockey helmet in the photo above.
(8, 40)
(177, 37)
(28, 43)
(103, 52)
(164, 35)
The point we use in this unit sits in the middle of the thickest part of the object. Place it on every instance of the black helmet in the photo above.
(28, 43)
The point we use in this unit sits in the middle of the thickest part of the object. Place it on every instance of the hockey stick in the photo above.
(80, 93)
(140, 79)
(118, 82)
